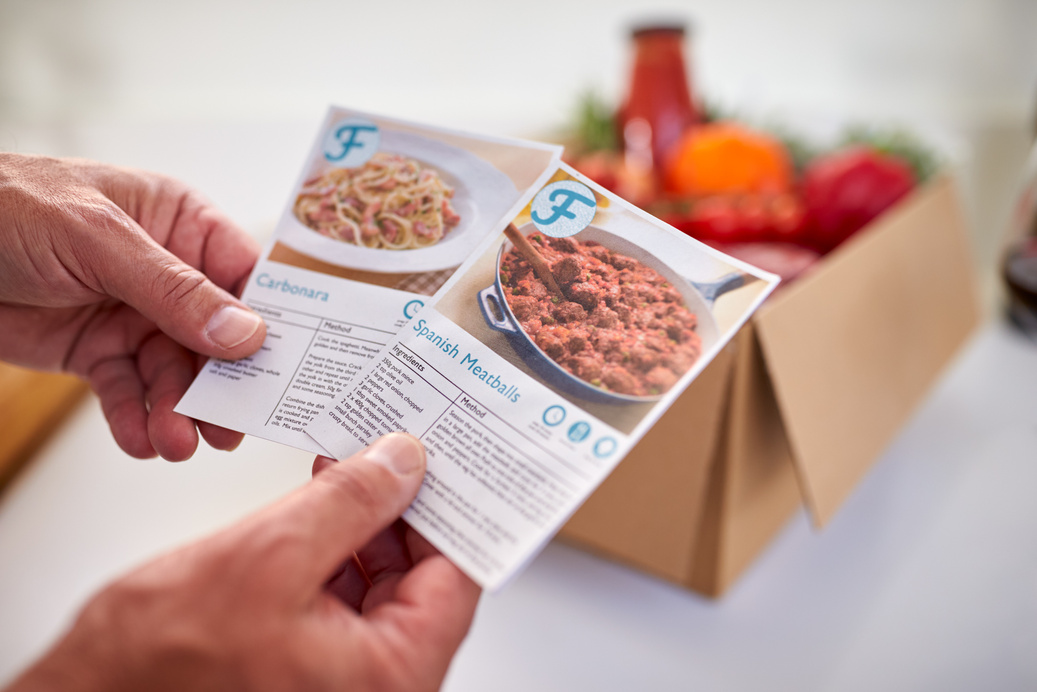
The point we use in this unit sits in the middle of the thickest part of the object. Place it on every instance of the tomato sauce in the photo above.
(618, 324)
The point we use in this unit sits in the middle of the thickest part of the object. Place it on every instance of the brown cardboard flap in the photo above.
(752, 488)
(647, 512)
(852, 348)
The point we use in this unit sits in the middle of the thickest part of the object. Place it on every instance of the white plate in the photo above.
(481, 196)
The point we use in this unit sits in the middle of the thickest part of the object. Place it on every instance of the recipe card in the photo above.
(382, 214)
(538, 366)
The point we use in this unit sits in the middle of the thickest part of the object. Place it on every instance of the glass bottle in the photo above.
(659, 104)
(1019, 268)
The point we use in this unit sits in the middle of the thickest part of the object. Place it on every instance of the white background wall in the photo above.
(114, 78)
(510, 66)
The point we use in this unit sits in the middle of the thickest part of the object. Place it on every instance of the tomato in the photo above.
(845, 190)
(787, 220)
(742, 218)
(602, 167)
(709, 218)
(611, 170)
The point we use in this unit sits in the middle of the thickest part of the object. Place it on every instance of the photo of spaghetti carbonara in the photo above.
(392, 202)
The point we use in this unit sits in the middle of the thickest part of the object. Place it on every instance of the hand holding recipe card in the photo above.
(574, 322)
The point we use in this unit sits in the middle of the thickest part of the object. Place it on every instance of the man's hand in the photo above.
(279, 602)
(123, 278)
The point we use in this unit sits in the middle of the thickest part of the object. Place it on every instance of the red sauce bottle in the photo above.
(1019, 267)
(659, 105)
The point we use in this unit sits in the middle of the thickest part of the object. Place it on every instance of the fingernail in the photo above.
(401, 454)
(231, 326)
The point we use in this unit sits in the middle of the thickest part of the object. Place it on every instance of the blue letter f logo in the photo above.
(351, 142)
(563, 208)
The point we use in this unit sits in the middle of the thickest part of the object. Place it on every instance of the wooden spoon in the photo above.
(538, 263)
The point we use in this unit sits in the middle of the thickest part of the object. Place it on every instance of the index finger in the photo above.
(433, 604)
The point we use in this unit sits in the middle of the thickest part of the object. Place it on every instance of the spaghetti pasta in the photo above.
(392, 202)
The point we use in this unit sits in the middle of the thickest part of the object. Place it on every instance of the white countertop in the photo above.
(926, 579)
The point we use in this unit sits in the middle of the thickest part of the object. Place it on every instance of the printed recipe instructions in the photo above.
(381, 216)
(540, 363)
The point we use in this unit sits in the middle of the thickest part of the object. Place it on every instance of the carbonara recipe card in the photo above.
(381, 216)
(569, 331)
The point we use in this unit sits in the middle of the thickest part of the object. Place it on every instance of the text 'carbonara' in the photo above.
(391, 202)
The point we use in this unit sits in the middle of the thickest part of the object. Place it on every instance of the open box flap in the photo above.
(852, 348)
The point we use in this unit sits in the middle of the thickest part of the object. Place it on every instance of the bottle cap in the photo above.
(659, 26)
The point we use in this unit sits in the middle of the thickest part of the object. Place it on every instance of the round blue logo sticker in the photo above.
(349, 143)
(563, 208)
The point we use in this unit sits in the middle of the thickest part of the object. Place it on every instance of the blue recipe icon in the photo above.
(579, 431)
(605, 447)
(553, 415)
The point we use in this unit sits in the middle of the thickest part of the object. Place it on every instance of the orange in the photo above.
(724, 157)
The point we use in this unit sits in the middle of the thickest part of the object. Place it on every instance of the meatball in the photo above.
(660, 379)
(644, 358)
(587, 368)
(609, 344)
(604, 317)
(565, 245)
(622, 262)
(524, 307)
(618, 379)
(598, 252)
(568, 311)
(550, 344)
(577, 342)
(567, 270)
(586, 294)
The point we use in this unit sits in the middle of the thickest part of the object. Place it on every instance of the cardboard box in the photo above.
(798, 406)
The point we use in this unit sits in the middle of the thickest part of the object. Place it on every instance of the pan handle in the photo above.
(493, 311)
(711, 290)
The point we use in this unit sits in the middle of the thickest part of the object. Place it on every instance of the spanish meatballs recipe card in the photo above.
(382, 214)
(568, 331)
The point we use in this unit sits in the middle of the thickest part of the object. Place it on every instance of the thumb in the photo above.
(181, 300)
(348, 503)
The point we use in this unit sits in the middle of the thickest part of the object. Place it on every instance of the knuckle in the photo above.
(122, 604)
(178, 285)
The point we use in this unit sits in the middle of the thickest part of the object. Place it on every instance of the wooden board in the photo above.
(32, 405)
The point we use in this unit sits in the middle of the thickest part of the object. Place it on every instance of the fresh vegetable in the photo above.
(595, 125)
(843, 191)
(727, 182)
(612, 171)
(603, 167)
(897, 143)
(739, 218)
(727, 157)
